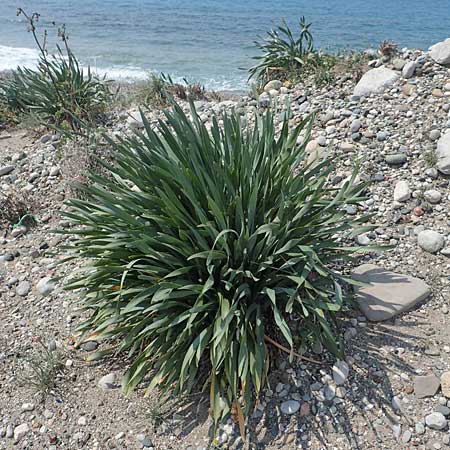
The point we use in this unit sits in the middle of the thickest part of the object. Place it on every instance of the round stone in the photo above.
(45, 286)
(395, 159)
(290, 407)
(432, 196)
(435, 135)
(431, 241)
(23, 288)
(340, 372)
(436, 421)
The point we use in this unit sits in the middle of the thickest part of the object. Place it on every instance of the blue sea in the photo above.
(210, 41)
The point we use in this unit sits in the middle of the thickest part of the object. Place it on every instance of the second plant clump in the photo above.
(204, 247)
(59, 91)
(292, 58)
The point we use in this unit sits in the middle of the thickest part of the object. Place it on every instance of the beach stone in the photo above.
(290, 407)
(396, 403)
(445, 384)
(107, 382)
(444, 410)
(388, 293)
(426, 386)
(5, 170)
(45, 286)
(406, 437)
(443, 154)
(395, 159)
(273, 85)
(264, 100)
(435, 135)
(402, 192)
(436, 421)
(440, 52)
(431, 241)
(20, 431)
(340, 372)
(420, 428)
(409, 89)
(375, 81)
(432, 196)
(408, 69)
(398, 63)
(23, 288)
(355, 126)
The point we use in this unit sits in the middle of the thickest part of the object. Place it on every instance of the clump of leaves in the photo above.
(16, 207)
(431, 158)
(282, 53)
(40, 369)
(159, 90)
(201, 247)
(59, 91)
(7, 116)
(388, 49)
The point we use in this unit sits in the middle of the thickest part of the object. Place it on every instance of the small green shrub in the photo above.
(40, 369)
(59, 91)
(282, 53)
(16, 207)
(201, 247)
(159, 90)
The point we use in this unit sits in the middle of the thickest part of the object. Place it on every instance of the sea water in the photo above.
(210, 41)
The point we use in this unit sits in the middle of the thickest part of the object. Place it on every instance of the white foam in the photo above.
(12, 57)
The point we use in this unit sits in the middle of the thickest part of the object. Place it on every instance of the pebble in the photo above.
(395, 159)
(431, 241)
(432, 196)
(45, 286)
(23, 288)
(20, 431)
(406, 437)
(290, 407)
(426, 386)
(340, 372)
(420, 428)
(436, 421)
(28, 407)
(402, 191)
(445, 384)
(5, 170)
(435, 135)
(107, 382)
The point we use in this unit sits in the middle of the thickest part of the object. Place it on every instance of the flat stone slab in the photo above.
(426, 386)
(387, 293)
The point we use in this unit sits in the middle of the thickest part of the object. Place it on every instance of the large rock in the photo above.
(387, 293)
(376, 81)
(443, 154)
(440, 52)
